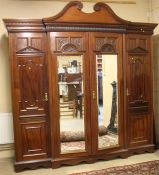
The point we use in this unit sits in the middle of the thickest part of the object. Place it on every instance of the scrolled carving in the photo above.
(97, 6)
(78, 4)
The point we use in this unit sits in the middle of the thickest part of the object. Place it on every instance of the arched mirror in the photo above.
(71, 103)
(107, 100)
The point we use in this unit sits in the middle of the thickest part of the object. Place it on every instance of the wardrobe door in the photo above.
(69, 69)
(106, 92)
(139, 90)
(30, 91)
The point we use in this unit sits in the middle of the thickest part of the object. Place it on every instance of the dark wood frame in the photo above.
(35, 37)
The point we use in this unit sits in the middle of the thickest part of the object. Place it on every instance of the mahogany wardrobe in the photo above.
(81, 87)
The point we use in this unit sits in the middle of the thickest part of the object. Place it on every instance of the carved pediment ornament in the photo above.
(103, 13)
(28, 49)
(138, 50)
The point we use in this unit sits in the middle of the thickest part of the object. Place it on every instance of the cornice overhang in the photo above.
(72, 18)
(24, 25)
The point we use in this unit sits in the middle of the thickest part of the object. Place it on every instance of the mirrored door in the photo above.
(107, 100)
(106, 87)
(71, 103)
(70, 70)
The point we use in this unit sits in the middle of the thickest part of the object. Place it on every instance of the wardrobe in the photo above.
(81, 87)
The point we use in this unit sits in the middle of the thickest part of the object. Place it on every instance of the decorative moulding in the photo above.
(138, 50)
(72, 18)
(28, 49)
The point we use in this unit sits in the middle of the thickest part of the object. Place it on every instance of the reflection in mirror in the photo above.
(107, 100)
(71, 103)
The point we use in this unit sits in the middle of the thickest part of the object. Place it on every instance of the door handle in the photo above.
(127, 92)
(46, 96)
(93, 95)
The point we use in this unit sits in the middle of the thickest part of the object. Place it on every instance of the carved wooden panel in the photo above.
(137, 87)
(138, 73)
(137, 41)
(69, 44)
(106, 44)
(33, 140)
(139, 130)
(26, 40)
(31, 82)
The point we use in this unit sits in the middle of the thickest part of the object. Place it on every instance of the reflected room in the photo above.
(71, 103)
(107, 100)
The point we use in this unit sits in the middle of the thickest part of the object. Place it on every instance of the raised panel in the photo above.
(34, 140)
(31, 76)
(137, 77)
(37, 43)
(139, 130)
(22, 42)
(137, 83)
(143, 43)
(33, 40)
(135, 41)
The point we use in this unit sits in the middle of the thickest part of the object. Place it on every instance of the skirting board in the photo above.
(9, 146)
(6, 128)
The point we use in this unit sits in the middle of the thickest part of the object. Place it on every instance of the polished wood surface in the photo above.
(34, 46)
(74, 43)
(106, 43)
(139, 89)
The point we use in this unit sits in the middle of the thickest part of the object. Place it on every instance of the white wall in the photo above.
(6, 128)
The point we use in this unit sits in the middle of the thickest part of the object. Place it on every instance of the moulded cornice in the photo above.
(71, 18)
(24, 25)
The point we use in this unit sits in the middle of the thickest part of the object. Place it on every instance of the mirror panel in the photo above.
(107, 100)
(71, 103)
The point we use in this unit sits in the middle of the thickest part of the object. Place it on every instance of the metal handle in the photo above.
(46, 96)
(93, 94)
(127, 92)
